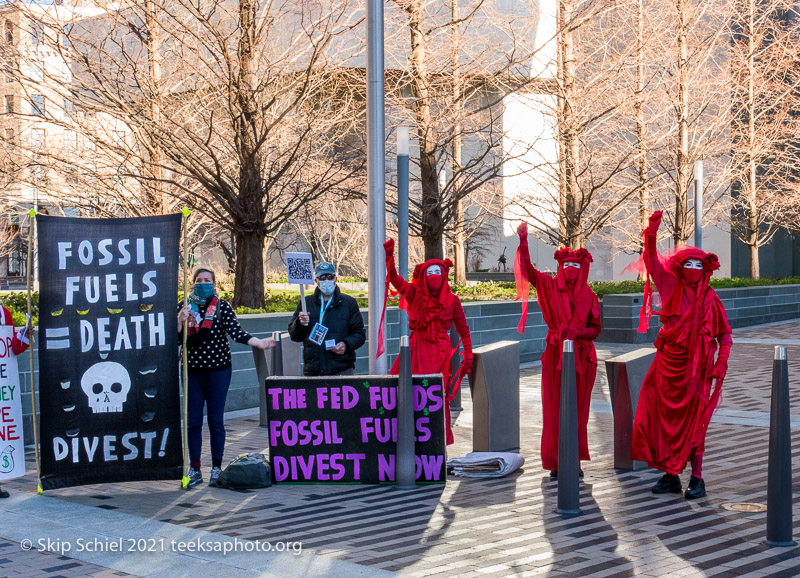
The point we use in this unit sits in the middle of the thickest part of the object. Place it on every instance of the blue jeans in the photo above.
(207, 388)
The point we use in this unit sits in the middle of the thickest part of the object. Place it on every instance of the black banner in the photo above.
(108, 350)
(344, 429)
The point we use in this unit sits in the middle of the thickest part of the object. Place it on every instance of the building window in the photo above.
(9, 31)
(9, 103)
(67, 73)
(37, 71)
(37, 105)
(8, 70)
(68, 106)
(37, 32)
(37, 138)
(9, 135)
(88, 143)
(70, 139)
(65, 32)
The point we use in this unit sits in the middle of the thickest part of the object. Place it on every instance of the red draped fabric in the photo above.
(570, 311)
(678, 395)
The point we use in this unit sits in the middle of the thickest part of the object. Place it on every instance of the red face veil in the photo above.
(571, 272)
(434, 278)
(692, 270)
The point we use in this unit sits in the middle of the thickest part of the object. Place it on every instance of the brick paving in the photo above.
(508, 526)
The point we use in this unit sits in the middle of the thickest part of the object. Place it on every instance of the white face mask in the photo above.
(693, 264)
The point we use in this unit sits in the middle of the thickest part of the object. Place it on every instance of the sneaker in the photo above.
(3, 493)
(668, 484)
(213, 479)
(696, 489)
(195, 478)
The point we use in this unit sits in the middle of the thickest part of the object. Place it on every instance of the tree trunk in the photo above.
(250, 228)
(681, 231)
(752, 197)
(568, 130)
(249, 290)
(154, 190)
(432, 223)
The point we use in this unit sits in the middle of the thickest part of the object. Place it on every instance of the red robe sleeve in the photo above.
(460, 321)
(405, 288)
(19, 343)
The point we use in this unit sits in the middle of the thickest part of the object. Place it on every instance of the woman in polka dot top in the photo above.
(211, 322)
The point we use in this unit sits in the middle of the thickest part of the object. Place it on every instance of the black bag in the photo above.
(247, 472)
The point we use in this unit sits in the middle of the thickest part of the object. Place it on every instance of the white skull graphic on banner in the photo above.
(106, 385)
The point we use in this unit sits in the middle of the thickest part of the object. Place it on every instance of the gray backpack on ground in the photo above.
(247, 472)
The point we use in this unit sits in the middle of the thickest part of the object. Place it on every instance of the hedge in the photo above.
(286, 301)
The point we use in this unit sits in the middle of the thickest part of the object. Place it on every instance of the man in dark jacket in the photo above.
(331, 330)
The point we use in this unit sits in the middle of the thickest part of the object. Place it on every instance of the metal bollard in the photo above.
(568, 463)
(277, 354)
(779, 472)
(405, 465)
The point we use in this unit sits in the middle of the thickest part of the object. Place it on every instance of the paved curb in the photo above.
(34, 518)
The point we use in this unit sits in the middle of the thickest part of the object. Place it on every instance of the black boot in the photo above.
(696, 489)
(668, 484)
(3, 493)
(554, 474)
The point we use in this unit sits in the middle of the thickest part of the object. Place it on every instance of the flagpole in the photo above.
(184, 358)
(32, 222)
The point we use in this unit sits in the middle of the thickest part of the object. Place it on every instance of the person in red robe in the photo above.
(571, 311)
(19, 343)
(678, 395)
(432, 310)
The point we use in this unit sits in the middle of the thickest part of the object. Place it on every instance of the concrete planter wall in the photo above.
(490, 322)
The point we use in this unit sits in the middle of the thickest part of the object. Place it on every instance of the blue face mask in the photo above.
(327, 287)
(204, 290)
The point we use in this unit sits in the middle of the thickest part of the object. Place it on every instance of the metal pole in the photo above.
(277, 354)
(779, 472)
(568, 464)
(698, 204)
(405, 466)
(402, 213)
(375, 180)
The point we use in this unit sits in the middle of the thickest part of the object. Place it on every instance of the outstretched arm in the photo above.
(391, 269)
(654, 265)
(533, 274)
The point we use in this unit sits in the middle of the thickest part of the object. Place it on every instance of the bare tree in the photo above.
(239, 110)
(765, 94)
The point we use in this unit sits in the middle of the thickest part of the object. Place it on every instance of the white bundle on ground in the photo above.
(485, 464)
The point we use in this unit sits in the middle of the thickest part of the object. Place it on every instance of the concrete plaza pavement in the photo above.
(497, 527)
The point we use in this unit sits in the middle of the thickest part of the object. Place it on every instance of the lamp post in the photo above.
(402, 213)
(375, 181)
(698, 204)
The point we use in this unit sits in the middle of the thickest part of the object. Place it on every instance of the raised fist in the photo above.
(522, 231)
(655, 222)
(388, 247)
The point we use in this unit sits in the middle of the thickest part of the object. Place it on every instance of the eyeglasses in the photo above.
(326, 277)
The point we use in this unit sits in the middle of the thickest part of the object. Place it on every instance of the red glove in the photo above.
(569, 333)
(719, 370)
(466, 367)
(655, 223)
(522, 231)
(388, 248)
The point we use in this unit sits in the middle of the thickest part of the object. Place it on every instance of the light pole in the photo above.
(698, 204)
(402, 213)
(376, 170)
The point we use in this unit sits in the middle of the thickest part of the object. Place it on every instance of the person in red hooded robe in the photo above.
(432, 310)
(571, 311)
(678, 395)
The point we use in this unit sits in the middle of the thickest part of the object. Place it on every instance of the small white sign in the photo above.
(12, 444)
(300, 268)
